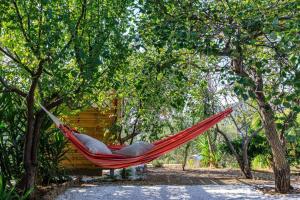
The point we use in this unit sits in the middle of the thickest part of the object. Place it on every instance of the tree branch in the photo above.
(74, 34)
(54, 104)
(255, 133)
(15, 58)
(9, 88)
(23, 65)
(8, 54)
(36, 77)
(50, 106)
(232, 149)
(20, 21)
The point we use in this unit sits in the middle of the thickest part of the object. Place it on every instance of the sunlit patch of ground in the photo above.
(172, 192)
(212, 183)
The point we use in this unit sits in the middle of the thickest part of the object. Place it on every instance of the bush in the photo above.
(258, 146)
(207, 157)
(293, 145)
(260, 162)
(10, 193)
(157, 164)
(51, 152)
(228, 161)
(12, 132)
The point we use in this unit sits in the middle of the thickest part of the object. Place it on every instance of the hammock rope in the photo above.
(161, 147)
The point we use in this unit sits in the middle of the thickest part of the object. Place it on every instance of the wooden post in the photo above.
(111, 173)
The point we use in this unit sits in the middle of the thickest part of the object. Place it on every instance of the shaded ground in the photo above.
(198, 178)
(175, 176)
(202, 177)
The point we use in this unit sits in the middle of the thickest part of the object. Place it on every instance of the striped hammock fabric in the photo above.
(161, 147)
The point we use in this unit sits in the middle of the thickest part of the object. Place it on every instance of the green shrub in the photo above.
(10, 193)
(157, 164)
(51, 152)
(207, 157)
(260, 162)
(293, 145)
(228, 161)
(257, 147)
(12, 133)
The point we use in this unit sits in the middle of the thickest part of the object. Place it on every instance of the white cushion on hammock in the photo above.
(92, 144)
(136, 149)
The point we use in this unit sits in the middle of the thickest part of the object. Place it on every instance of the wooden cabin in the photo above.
(96, 123)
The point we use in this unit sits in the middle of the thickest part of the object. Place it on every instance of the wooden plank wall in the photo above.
(95, 123)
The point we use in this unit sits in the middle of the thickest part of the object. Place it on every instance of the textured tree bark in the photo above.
(243, 161)
(30, 155)
(31, 148)
(30, 158)
(186, 153)
(281, 166)
(36, 137)
(30, 170)
(33, 154)
(30, 166)
(246, 164)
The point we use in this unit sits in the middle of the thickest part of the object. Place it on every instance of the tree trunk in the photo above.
(281, 166)
(212, 152)
(243, 161)
(30, 170)
(112, 173)
(186, 153)
(123, 174)
(30, 155)
(31, 138)
(246, 164)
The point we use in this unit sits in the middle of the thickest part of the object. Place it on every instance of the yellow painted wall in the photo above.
(95, 123)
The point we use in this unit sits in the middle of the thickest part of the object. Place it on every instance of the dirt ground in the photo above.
(203, 176)
(263, 180)
(211, 177)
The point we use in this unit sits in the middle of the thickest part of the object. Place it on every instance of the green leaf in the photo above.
(160, 76)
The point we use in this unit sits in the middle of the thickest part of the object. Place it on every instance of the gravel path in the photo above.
(165, 192)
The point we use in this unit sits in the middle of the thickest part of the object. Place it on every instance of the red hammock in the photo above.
(114, 161)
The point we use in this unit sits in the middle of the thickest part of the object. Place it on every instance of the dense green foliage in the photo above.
(257, 147)
(264, 33)
(293, 143)
(56, 52)
(10, 193)
(12, 128)
(168, 64)
(51, 153)
(255, 44)
(78, 43)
